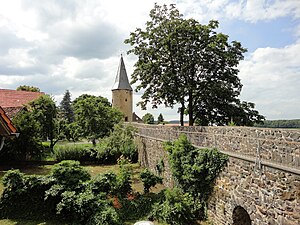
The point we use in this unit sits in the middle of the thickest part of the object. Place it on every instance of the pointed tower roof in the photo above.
(121, 82)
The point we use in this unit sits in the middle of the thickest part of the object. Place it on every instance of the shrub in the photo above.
(124, 179)
(175, 209)
(69, 173)
(120, 142)
(105, 183)
(139, 207)
(107, 216)
(149, 180)
(23, 196)
(195, 170)
(75, 152)
(80, 207)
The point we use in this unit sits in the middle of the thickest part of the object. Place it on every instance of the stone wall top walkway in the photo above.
(278, 148)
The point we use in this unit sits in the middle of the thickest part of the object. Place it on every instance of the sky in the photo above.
(76, 45)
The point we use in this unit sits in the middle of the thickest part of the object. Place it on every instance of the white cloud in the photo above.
(258, 10)
(271, 78)
(58, 45)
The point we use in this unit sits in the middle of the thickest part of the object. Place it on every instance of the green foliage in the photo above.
(181, 61)
(107, 216)
(176, 208)
(95, 116)
(82, 207)
(195, 170)
(28, 145)
(148, 118)
(23, 196)
(45, 113)
(149, 180)
(280, 124)
(139, 207)
(160, 119)
(69, 173)
(66, 194)
(160, 166)
(124, 179)
(28, 88)
(75, 152)
(105, 183)
(119, 143)
(66, 108)
(13, 179)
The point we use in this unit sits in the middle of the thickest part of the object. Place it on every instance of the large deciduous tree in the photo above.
(183, 62)
(45, 112)
(95, 116)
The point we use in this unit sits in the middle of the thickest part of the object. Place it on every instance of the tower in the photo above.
(122, 92)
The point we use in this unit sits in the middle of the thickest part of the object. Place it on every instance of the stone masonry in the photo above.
(262, 176)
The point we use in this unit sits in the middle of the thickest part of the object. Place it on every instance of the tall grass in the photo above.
(75, 152)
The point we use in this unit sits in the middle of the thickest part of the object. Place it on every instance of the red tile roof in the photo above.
(13, 101)
(13, 98)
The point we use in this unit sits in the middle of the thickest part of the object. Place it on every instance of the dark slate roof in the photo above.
(121, 82)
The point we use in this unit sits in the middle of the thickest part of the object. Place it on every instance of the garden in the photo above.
(80, 191)
(78, 165)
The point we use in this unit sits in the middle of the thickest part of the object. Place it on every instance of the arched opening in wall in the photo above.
(126, 119)
(240, 216)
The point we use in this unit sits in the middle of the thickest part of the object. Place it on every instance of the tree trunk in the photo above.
(191, 118)
(182, 114)
(94, 141)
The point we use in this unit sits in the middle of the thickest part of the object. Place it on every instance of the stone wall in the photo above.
(262, 176)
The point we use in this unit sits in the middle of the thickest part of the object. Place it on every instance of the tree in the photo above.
(28, 144)
(95, 116)
(160, 118)
(148, 118)
(66, 108)
(183, 62)
(28, 88)
(45, 112)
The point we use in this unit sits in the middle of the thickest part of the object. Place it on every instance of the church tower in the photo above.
(122, 92)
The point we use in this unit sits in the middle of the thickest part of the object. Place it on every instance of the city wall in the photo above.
(262, 176)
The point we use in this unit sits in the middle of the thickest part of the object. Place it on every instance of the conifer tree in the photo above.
(66, 107)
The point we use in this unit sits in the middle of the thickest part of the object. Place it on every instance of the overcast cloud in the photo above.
(76, 45)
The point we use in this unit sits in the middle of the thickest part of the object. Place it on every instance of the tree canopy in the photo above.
(160, 118)
(66, 107)
(28, 88)
(181, 61)
(148, 118)
(95, 116)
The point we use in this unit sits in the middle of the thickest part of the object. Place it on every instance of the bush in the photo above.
(23, 196)
(80, 207)
(107, 216)
(105, 183)
(175, 209)
(75, 152)
(119, 143)
(124, 179)
(149, 180)
(69, 174)
(195, 170)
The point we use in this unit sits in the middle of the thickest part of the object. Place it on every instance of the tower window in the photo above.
(125, 99)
